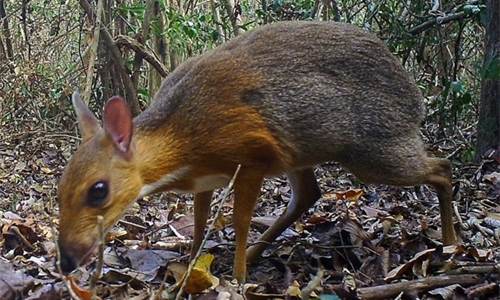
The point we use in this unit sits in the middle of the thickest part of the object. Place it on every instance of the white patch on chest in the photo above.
(210, 182)
(169, 178)
(201, 184)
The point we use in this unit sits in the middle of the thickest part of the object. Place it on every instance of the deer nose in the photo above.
(68, 264)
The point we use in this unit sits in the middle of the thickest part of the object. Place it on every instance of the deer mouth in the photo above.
(72, 256)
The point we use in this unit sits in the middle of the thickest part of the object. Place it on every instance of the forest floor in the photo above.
(357, 242)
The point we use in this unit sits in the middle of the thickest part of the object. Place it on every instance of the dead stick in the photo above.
(415, 286)
(58, 266)
(306, 292)
(100, 258)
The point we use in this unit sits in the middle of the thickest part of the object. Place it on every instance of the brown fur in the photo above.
(279, 99)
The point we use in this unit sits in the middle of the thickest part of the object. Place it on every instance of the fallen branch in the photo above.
(415, 286)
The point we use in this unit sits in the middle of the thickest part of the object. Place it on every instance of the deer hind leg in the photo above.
(305, 192)
(408, 166)
(439, 176)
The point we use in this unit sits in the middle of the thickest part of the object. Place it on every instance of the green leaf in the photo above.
(214, 35)
(464, 99)
(143, 91)
(456, 86)
(483, 16)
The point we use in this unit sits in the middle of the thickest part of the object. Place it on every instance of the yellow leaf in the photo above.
(294, 289)
(46, 170)
(200, 279)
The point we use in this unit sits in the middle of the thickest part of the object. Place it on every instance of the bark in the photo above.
(415, 287)
(6, 31)
(159, 45)
(488, 129)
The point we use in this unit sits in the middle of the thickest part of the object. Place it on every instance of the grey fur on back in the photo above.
(335, 82)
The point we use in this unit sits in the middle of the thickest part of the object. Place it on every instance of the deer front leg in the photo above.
(246, 190)
(202, 203)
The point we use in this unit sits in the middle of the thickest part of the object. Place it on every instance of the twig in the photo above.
(143, 52)
(438, 20)
(58, 265)
(132, 224)
(100, 258)
(463, 225)
(223, 196)
(21, 237)
(306, 292)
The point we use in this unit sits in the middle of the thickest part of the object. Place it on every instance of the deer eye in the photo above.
(98, 193)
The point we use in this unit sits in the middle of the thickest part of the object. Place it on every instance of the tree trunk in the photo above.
(488, 128)
(9, 51)
(233, 9)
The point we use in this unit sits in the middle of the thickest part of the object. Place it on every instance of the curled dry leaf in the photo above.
(492, 215)
(172, 243)
(358, 234)
(316, 220)
(349, 280)
(419, 263)
(229, 291)
(77, 290)
(492, 177)
(46, 170)
(448, 292)
(351, 195)
(479, 254)
(294, 289)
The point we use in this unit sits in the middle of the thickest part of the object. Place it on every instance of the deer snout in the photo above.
(73, 256)
(68, 261)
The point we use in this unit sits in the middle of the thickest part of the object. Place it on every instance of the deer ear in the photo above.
(88, 123)
(118, 124)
